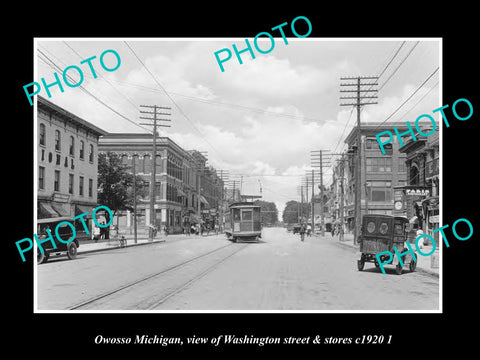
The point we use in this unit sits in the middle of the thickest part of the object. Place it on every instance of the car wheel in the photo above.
(72, 251)
(41, 258)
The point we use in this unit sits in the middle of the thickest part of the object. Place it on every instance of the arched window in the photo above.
(42, 134)
(82, 149)
(90, 156)
(57, 140)
(125, 160)
(147, 166)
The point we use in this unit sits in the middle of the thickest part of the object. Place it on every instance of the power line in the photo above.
(411, 95)
(57, 68)
(173, 101)
(395, 70)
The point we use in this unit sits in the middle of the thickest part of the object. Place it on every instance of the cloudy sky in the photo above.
(259, 120)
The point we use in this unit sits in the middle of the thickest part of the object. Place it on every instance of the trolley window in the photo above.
(247, 215)
(236, 214)
(383, 228)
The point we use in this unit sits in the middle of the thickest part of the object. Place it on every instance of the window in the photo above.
(90, 156)
(379, 191)
(42, 134)
(70, 183)
(147, 164)
(80, 186)
(41, 177)
(57, 140)
(379, 164)
(56, 181)
(71, 150)
(82, 149)
(401, 166)
(247, 215)
(90, 187)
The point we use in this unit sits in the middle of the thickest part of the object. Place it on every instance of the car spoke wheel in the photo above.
(413, 265)
(72, 251)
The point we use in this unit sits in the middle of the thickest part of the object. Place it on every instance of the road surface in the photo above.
(210, 273)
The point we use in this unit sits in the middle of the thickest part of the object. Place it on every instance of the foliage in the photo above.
(292, 210)
(115, 183)
(269, 212)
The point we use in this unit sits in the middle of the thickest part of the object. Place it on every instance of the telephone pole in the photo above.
(361, 95)
(155, 113)
(320, 159)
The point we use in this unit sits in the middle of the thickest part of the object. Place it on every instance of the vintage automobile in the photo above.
(296, 228)
(381, 233)
(64, 231)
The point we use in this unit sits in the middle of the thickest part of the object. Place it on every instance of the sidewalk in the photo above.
(423, 262)
(92, 246)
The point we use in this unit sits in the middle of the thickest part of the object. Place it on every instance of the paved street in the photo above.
(210, 273)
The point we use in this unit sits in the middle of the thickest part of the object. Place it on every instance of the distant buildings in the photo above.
(186, 190)
(67, 163)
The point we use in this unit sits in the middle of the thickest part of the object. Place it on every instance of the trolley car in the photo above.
(243, 222)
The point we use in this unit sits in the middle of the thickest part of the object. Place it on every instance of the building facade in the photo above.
(67, 163)
(379, 173)
(185, 188)
(418, 200)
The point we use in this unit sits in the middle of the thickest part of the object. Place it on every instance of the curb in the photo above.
(118, 247)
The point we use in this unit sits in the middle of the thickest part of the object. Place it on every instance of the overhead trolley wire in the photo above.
(171, 99)
(54, 66)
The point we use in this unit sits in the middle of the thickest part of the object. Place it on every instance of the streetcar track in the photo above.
(159, 273)
(191, 281)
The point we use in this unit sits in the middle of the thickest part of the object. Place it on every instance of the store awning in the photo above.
(203, 200)
(60, 210)
(46, 211)
(80, 209)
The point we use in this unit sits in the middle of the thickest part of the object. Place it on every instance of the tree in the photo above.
(269, 212)
(292, 210)
(115, 183)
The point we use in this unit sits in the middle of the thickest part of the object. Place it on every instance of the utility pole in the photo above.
(153, 123)
(359, 97)
(320, 159)
(134, 200)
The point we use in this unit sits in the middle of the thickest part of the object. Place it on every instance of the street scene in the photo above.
(306, 179)
(208, 273)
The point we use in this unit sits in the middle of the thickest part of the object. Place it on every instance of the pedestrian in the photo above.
(420, 242)
(333, 230)
(302, 231)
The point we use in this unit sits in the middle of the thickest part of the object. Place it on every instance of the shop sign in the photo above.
(417, 192)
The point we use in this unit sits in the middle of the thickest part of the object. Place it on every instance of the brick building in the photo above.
(67, 162)
(379, 173)
(184, 186)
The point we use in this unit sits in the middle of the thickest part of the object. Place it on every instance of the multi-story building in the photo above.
(67, 163)
(419, 198)
(182, 184)
(379, 173)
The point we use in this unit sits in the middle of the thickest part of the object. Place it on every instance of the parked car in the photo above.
(64, 231)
